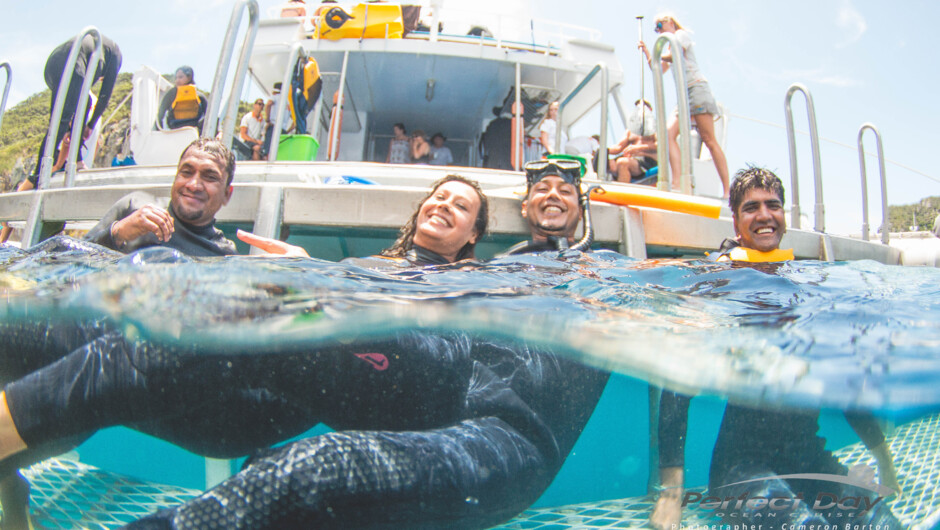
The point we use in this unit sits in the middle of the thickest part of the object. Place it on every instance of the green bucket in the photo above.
(297, 147)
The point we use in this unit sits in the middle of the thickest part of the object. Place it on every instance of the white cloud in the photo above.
(851, 23)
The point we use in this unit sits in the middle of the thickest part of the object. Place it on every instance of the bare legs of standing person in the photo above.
(705, 124)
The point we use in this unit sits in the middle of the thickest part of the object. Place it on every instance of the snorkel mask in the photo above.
(570, 172)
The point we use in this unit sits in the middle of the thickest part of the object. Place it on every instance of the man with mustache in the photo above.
(203, 184)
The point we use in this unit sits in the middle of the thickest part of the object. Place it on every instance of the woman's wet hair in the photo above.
(405, 241)
(215, 148)
(753, 177)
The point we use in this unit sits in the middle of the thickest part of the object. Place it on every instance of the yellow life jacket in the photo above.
(312, 87)
(756, 256)
(186, 104)
(366, 21)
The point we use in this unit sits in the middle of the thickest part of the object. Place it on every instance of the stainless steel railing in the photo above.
(794, 172)
(884, 183)
(283, 101)
(605, 91)
(6, 89)
(682, 97)
(210, 126)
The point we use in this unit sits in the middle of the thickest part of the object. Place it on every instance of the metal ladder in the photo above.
(884, 183)
(6, 89)
(600, 68)
(686, 180)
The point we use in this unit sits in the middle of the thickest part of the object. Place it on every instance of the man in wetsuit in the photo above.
(106, 70)
(203, 184)
(755, 446)
(433, 430)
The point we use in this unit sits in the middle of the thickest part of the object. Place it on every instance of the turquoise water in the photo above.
(799, 334)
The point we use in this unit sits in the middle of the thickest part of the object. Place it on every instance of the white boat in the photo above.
(347, 202)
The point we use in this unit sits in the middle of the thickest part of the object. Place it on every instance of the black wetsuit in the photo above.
(758, 442)
(106, 70)
(166, 119)
(435, 430)
(189, 239)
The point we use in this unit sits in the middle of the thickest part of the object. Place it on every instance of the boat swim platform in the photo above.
(312, 194)
(69, 494)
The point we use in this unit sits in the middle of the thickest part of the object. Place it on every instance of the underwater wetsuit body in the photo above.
(435, 430)
(756, 442)
(202, 241)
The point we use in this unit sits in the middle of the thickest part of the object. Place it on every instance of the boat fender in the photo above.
(663, 200)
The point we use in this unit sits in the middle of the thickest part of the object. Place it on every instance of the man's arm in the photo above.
(132, 217)
(866, 427)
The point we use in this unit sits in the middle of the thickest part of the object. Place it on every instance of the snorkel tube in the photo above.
(588, 238)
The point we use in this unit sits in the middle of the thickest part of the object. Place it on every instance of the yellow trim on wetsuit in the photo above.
(756, 256)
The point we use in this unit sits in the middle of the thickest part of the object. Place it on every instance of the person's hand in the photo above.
(272, 246)
(147, 220)
(667, 513)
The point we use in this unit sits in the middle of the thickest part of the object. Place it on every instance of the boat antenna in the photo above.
(585, 200)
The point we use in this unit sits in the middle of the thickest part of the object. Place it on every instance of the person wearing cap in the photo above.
(251, 130)
(440, 154)
(270, 109)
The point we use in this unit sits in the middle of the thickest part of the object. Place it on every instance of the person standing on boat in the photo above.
(106, 70)
(549, 130)
(251, 130)
(399, 147)
(755, 446)
(420, 148)
(702, 105)
(203, 184)
(440, 154)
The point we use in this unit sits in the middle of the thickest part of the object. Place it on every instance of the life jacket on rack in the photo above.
(305, 88)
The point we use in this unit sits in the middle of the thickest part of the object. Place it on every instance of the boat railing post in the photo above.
(605, 90)
(6, 90)
(211, 124)
(685, 128)
(884, 183)
(282, 103)
(333, 144)
(794, 172)
(518, 139)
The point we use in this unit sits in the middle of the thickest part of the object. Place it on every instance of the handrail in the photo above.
(605, 92)
(287, 92)
(336, 129)
(814, 143)
(884, 183)
(6, 90)
(685, 128)
(210, 126)
(45, 168)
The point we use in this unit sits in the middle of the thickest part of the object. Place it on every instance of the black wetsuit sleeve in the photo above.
(101, 232)
(866, 427)
(673, 419)
(112, 65)
(163, 118)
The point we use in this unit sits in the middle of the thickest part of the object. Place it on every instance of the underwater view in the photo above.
(850, 338)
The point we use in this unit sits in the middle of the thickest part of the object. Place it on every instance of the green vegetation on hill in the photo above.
(922, 214)
(25, 124)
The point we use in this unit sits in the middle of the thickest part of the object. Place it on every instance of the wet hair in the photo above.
(749, 178)
(217, 149)
(405, 241)
(188, 72)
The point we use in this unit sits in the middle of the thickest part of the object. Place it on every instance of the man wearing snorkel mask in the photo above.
(553, 207)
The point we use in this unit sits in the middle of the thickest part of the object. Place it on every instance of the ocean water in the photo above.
(804, 334)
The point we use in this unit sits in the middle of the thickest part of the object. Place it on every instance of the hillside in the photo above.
(922, 214)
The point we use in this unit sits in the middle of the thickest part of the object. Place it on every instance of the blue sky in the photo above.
(864, 61)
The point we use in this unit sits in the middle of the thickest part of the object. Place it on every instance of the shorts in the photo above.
(701, 100)
(646, 162)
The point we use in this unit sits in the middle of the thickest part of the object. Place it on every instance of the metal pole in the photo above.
(605, 88)
(884, 183)
(210, 126)
(517, 108)
(287, 91)
(78, 130)
(682, 96)
(334, 131)
(6, 90)
(814, 143)
(639, 23)
(228, 124)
